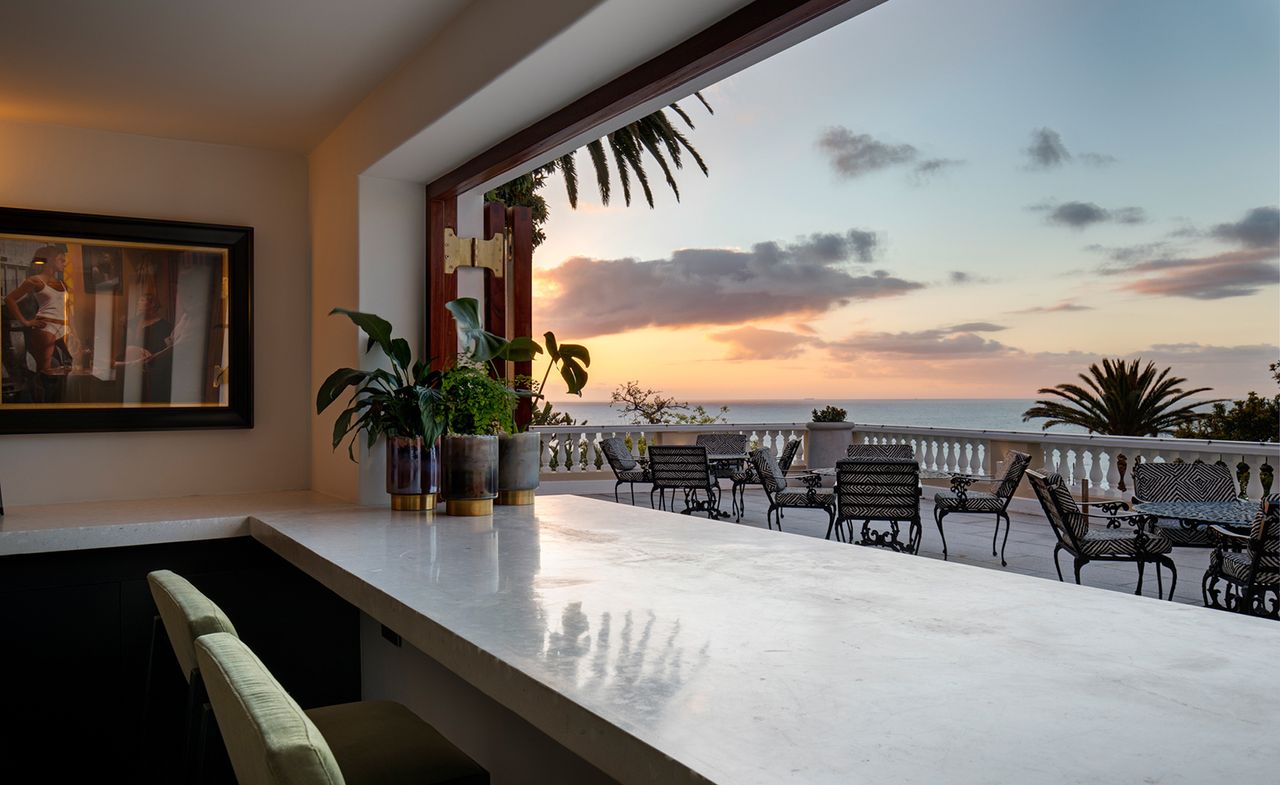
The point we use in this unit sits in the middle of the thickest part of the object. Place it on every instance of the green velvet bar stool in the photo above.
(272, 741)
(373, 741)
(186, 614)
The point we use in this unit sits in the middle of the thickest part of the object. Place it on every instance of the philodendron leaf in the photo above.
(521, 350)
(577, 352)
(374, 326)
(338, 381)
(553, 346)
(574, 375)
(480, 344)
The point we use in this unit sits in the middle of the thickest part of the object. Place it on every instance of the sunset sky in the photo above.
(930, 201)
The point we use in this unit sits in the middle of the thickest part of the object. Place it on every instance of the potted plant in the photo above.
(519, 449)
(401, 404)
(829, 437)
(477, 409)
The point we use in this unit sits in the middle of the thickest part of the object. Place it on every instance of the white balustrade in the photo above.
(1106, 462)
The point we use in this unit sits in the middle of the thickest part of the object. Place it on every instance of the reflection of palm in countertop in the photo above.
(642, 673)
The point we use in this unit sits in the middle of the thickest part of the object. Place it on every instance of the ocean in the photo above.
(1002, 414)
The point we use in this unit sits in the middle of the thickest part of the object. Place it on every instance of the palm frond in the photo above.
(601, 163)
(569, 168)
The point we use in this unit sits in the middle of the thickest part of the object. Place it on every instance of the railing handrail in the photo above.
(997, 435)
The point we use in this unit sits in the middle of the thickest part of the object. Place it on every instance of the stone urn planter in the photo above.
(468, 474)
(413, 473)
(518, 467)
(827, 443)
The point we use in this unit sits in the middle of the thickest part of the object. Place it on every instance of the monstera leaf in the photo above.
(572, 359)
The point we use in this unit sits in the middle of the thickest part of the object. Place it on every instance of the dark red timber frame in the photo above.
(509, 299)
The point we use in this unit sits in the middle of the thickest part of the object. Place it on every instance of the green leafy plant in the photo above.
(479, 346)
(1120, 398)
(402, 401)
(1251, 419)
(475, 404)
(829, 414)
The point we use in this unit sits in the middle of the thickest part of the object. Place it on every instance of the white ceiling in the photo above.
(263, 73)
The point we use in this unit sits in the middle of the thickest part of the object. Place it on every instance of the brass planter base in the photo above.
(468, 507)
(515, 498)
(413, 502)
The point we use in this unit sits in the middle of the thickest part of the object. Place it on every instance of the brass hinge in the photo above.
(473, 252)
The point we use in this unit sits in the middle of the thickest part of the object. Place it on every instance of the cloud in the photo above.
(1047, 151)
(1079, 215)
(1228, 274)
(960, 278)
(1097, 159)
(852, 155)
(961, 340)
(1062, 307)
(976, 327)
(715, 285)
(864, 244)
(931, 167)
(754, 343)
(1260, 228)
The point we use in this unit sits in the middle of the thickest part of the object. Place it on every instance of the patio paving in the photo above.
(1029, 552)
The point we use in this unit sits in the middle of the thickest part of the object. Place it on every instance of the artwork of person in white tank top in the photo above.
(47, 330)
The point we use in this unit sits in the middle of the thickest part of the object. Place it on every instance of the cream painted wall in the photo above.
(78, 170)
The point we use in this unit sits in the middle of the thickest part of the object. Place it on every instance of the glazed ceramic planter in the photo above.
(413, 473)
(468, 473)
(827, 443)
(518, 467)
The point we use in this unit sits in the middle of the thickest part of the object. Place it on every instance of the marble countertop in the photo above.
(664, 648)
(116, 524)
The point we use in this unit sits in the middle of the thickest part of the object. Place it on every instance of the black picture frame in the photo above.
(238, 244)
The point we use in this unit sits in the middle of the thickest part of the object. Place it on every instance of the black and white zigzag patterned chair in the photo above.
(781, 495)
(997, 503)
(1113, 543)
(747, 475)
(626, 469)
(1252, 573)
(684, 468)
(725, 443)
(880, 489)
(901, 451)
(1183, 482)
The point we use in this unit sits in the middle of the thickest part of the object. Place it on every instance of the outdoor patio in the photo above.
(1029, 552)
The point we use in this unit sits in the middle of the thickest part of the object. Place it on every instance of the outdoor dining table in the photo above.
(1238, 514)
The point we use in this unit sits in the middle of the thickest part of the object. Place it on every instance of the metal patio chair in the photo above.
(997, 503)
(749, 476)
(1113, 543)
(880, 489)
(684, 468)
(1183, 482)
(778, 490)
(626, 469)
(726, 443)
(1249, 565)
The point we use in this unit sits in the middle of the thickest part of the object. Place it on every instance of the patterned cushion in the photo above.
(633, 475)
(1117, 542)
(975, 501)
(1183, 482)
(767, 469)
(903, 451)
(1176, 533)
(1059, 506)
(616, 453)
(1015, 465)
(821, 499)
(1236, 566)
(745, 476)
(680, 466)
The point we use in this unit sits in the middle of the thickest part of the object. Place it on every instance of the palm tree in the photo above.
(654, 134)
(1120, 399)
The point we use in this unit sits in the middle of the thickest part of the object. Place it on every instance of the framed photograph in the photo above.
(122, 324)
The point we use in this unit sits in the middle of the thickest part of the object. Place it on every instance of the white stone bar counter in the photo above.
(663, 649)
(56, 528)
